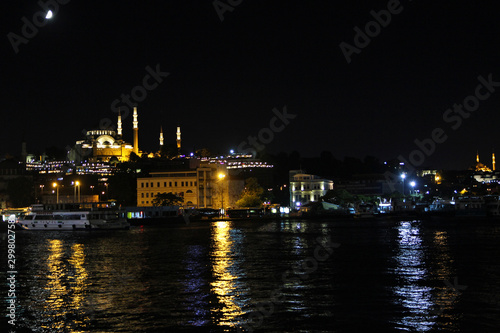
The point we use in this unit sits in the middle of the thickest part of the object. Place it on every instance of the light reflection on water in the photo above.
(225, 272)
(220, 275)
(411, 273)
(196, 300)
(66, 288)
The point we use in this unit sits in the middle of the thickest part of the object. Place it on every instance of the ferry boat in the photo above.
(40, 219)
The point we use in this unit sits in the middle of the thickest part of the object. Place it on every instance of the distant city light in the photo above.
(232, 151)
(412, 184)
(49, 15)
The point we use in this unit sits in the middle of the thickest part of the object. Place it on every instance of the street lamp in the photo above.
(221, 178)
(77, 188)
(57, 191)
(403, 176)
(413, 186)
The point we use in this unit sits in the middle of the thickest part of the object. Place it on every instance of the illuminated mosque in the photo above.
(483, 173)
(106, 145)
(481, 167)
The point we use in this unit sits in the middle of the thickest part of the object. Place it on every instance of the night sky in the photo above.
(226, 77)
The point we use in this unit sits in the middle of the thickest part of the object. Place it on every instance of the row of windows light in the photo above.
(175, 184)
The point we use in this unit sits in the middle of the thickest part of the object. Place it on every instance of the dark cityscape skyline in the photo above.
(359, 79)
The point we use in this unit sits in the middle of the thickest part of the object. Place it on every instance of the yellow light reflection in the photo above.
(55, 277)
(66, 287)
(443, 257)
(223, 285)
(445, 297)
(79, 282)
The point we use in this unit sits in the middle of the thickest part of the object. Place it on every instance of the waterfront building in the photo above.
(204, 186)
(306, 188)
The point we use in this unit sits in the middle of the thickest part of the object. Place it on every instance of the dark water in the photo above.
(324, 276)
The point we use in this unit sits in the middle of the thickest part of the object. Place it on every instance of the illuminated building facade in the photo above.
(305, 188)
(200, 187)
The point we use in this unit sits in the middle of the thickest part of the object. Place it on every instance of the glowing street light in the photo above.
(412, 183)
(77, 186)
(57, 191)
(49, 15)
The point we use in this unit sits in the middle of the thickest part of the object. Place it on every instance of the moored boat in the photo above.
(55, 220)
(39, 218)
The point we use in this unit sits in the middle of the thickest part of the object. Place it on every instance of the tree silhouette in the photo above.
(167, 199)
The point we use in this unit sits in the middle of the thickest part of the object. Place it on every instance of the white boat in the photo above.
(38, 219)
(55, 220)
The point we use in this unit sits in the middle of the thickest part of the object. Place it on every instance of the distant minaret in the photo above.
(136, 132)
(119, 123)
(178, 138)
(161, 137)
(477, 157)
(493, 160)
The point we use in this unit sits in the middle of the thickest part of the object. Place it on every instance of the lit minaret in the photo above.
(477, 157)
(178, 138)
(136, 132)
(161, 137)
(119, 124)
(493, 160)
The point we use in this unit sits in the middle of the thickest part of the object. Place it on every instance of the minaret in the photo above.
(477, 157)
(136, 132)
(119, 129)
(161, 137)
(179, 139)
(493, 160)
